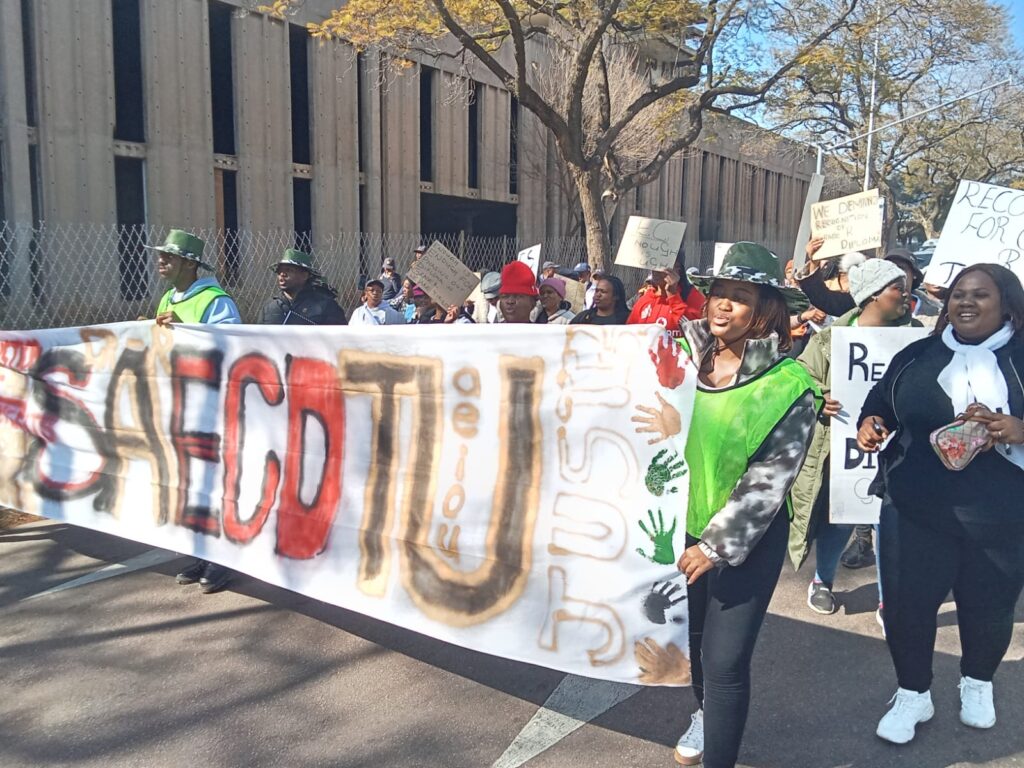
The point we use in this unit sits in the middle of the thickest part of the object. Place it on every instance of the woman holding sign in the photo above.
(951, 482)
(752, 424)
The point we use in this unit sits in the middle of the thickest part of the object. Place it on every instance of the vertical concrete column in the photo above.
(400, 152)
(14, 145)
(76, 129)
(179, 128)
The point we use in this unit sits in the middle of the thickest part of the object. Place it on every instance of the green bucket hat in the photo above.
(752, 263)
(185, 245)
(296, 259)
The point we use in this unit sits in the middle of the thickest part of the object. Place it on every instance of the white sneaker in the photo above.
(976, 707)
(909, 709)
(690, 749)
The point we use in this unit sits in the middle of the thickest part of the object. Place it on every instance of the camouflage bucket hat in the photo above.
(185, 245)
(296, 259)
(752, 263)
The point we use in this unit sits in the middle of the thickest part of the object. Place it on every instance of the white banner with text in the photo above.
(519, 491)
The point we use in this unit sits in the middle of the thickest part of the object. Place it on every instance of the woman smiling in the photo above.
(948, 529)
(752, 424)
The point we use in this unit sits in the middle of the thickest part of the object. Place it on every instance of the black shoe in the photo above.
(859, 554)
(820, 599)
(192, 574)
(214, 579)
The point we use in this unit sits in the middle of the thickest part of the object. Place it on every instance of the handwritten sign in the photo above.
(985, 224)
(720, 250)
(445, 279)
(851, 223)
(531, 257)
(860, 357)
(650, 243)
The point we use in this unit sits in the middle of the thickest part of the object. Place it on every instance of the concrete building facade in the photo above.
(207, 115)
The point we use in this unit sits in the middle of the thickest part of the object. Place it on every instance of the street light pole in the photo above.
(874, 90)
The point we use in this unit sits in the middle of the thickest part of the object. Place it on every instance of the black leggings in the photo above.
(920, 566)
(727, 607)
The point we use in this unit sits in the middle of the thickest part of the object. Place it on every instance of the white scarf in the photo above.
(973, 375)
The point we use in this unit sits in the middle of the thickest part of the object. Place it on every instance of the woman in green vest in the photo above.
(752, 425)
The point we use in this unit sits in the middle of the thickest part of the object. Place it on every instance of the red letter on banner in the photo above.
(313, 393)
(260, 371)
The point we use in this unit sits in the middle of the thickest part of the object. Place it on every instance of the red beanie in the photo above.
(518, 278)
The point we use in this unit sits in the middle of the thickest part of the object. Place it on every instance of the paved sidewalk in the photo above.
(137, 671)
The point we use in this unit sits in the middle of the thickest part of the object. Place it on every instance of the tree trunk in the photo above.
(595, 225)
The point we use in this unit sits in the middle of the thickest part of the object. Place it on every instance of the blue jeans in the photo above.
(828, 548)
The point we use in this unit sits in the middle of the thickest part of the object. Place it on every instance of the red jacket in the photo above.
(668, 311)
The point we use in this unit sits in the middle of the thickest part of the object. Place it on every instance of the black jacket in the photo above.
(985, 496)
(315, 305)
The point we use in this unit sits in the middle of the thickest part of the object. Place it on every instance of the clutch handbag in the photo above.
(957, 443)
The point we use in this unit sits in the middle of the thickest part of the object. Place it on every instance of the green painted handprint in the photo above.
(663, 470)
(664, 553)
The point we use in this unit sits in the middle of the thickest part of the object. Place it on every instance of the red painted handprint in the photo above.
(668, 361)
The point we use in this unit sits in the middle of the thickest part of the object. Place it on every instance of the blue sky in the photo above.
(1016, 8)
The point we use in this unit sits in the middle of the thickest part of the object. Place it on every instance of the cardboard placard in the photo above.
(720, 250)
(445, 279)
(531, 257)
(650, 243)
(985, 225)
(852, 223)
(860, 357)
(575, 294)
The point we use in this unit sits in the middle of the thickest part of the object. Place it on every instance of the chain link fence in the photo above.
(54, 275)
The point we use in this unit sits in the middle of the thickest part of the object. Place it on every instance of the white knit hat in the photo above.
(849, 260)
(872, 276)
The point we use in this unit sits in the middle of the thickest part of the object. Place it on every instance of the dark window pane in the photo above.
(474, 136)
(129, 124)
(302, 199)
(427, 75)
(298, 40)
(222, 87)
(130, 191)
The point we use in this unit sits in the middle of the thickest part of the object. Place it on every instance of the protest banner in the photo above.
(531, 257)
(860, 357)
(575, 294)
(445, 279)
(484, 485)
(985, 224)
(650, 243)
(720, 250)
(852, 223)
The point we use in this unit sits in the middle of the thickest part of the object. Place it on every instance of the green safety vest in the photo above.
(728, 427)
(192, 309)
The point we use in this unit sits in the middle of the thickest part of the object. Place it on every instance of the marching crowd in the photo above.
(758, 451)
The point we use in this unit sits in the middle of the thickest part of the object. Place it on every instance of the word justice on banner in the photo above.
(985, 225)
(860, 358)
(517, 491)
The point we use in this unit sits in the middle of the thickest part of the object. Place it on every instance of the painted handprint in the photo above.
(661, 666)
(662, 424)
(663, 470)
(669, 361)
(663, 596)
(663, 552)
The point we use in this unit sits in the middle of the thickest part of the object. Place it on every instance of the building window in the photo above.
(35, 257)
(302, 204)
(513, 147)
(130, 191)
(226, 201)
(298, 41)
(222, 87)
(428, 78)
(28, 47)
(129, 124)
(475, 92)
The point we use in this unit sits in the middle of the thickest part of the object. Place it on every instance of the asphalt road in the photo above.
(137, 671)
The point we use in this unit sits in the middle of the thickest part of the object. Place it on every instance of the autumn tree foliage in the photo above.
(622, 85)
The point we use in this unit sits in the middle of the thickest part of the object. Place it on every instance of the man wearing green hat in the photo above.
(305, 298)
(191, 299)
